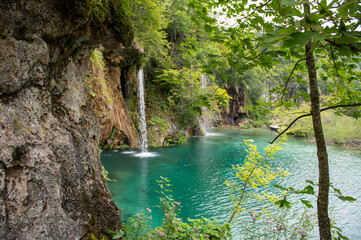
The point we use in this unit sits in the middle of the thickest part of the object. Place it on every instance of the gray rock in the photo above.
(51, 185)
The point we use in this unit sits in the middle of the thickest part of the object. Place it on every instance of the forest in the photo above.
(263, 63)
(180, 119)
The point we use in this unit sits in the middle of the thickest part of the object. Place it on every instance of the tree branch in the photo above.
(253, 58)
(346, 4)
(243, 193)
(334, 64)
(289, 77)
(309, 114)
(353, 47)
(333, 20)
(251, 13)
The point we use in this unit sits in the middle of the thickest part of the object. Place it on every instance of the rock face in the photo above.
(117, 127)
(236, 103)
(50, 173)
(110, 83)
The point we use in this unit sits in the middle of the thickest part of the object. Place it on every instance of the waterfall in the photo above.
(142, 123)
(204, 80)
(207, 119)
(143, 143)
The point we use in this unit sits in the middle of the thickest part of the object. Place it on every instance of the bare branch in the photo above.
(243, 192)
(334, 64)
(328, 13)
(309, 114)
(289, 77)
(250, 59)
(251, 13)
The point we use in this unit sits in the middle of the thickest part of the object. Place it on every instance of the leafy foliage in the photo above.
(149, 18)
(271, 33)
(172, 226)
(95, 78)
(105, 175)
(254, 173)
(268, 223)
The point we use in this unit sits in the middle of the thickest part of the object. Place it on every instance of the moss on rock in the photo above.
(79, 10)
(100, 13)
(121, 24)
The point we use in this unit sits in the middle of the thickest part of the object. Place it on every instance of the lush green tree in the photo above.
(264, 31)
(149, 19)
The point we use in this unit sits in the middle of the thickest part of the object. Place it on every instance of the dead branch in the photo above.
(289, 77)
(309, 114)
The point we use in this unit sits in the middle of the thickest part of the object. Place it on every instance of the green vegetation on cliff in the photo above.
(176, 50)
(102, 16)
(283, 52)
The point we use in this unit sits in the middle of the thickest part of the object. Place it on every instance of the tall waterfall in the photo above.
(142, 122)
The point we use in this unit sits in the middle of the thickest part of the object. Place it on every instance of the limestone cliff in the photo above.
(50, 173)
(236, 103)
(112, 83)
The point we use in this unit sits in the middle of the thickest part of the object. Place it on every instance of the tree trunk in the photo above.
(323, 177)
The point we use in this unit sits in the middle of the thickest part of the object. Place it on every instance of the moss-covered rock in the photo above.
(121, 24)
(78, 10)
(100, 13)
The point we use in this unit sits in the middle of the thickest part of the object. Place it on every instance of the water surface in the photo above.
(198, 169)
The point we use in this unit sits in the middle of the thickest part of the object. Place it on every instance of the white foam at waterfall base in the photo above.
(128, 152)
(210, 134)
(146, 154)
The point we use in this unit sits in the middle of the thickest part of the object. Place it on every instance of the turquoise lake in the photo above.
(197, 170)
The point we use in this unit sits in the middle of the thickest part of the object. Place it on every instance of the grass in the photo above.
(341, 129)
(337, 129)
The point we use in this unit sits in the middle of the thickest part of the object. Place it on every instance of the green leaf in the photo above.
(346, 198)
(342, 236)
(307, 190)
(118, 235)
(291, 2)
(283, 203)
(280, 187)
(307, 203)
(319, 37)
(310, 182)
(297, 39)
(342, 27)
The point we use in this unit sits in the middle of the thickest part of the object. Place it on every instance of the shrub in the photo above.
(172, 225)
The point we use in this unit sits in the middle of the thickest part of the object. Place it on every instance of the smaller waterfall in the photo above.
(204, 81)
(142, 123)
(143, 144)
(206, 121)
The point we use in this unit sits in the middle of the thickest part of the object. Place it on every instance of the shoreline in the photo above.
(354, 144)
